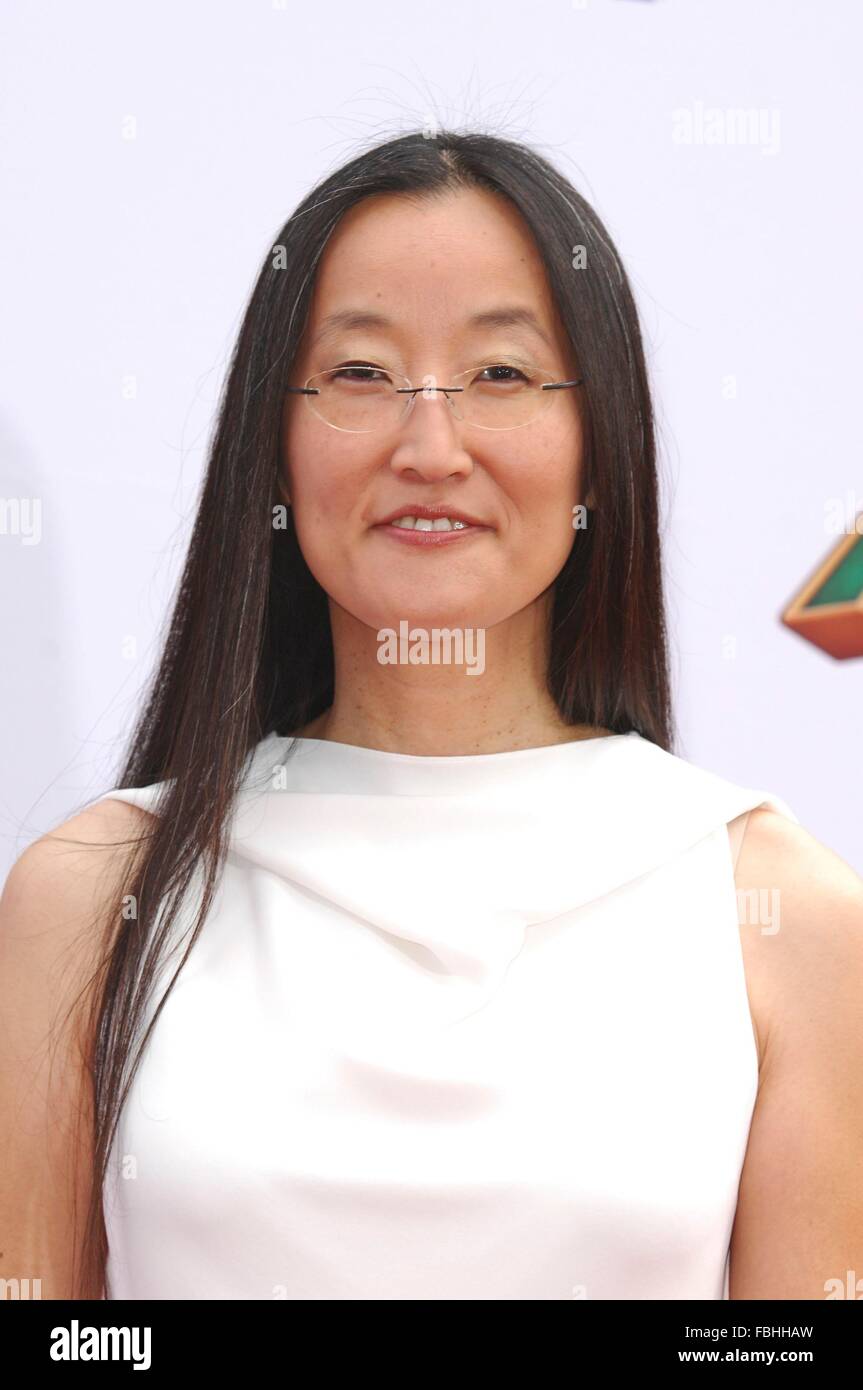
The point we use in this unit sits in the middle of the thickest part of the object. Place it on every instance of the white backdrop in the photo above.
(150, 153)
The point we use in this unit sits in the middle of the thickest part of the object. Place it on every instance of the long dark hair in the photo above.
(248, 650)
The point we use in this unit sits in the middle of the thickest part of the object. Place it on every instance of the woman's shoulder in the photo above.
(64, 879)
(800, 908)
(778, 851)
(106, 824)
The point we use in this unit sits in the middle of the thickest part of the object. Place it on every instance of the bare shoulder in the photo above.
(799, 1224)
(800, 909)
(108, 822)
(63, 878)
(774, 845)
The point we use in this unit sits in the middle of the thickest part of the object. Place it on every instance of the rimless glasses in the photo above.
(358, 398)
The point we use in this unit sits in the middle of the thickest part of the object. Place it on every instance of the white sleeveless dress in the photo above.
(455, 1028)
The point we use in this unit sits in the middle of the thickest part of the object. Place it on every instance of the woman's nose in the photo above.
(429, 440)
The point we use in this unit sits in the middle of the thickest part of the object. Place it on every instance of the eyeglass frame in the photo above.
(410, 390)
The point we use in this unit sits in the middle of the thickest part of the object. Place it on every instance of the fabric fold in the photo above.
(462, 855)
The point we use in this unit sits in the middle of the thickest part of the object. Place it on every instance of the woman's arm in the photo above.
(798, 1231)
(52, 932)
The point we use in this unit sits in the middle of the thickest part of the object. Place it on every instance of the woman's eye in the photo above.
(357, 372)
(504, 367)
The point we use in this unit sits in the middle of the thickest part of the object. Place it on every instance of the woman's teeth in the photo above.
(425, 523)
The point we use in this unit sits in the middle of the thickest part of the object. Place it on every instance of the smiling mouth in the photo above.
(425, 523)
(423, 531)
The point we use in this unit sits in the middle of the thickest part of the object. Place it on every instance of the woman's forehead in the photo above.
(462, 265)
(395, 239)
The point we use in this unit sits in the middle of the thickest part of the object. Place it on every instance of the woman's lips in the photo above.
(412, 537)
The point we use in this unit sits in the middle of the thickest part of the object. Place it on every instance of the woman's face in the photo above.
(428, 268)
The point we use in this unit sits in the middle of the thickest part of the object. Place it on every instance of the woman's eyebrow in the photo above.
(344, 319)
(510, 316)
(506, 316)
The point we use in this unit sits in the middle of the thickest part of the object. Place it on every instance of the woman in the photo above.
(481, 991)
